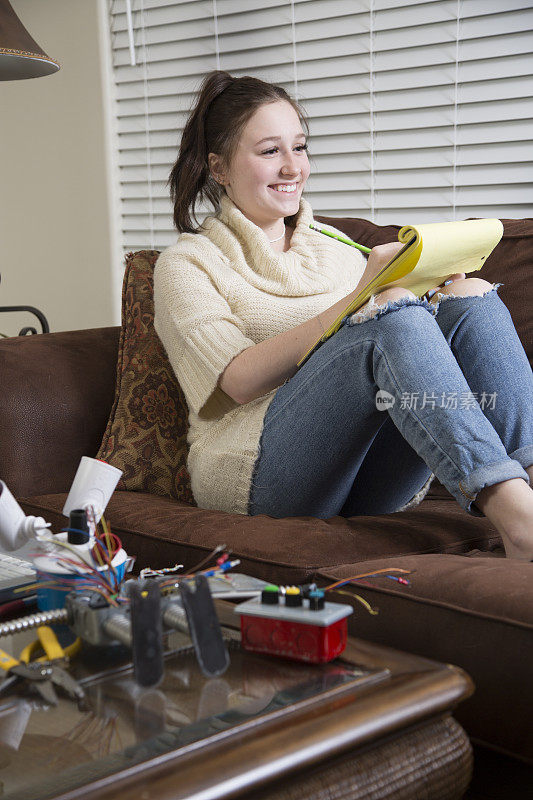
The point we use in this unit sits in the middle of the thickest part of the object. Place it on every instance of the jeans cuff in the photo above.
(524, 456)
(468, 488)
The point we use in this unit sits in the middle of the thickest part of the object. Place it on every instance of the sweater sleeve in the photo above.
(198, 330)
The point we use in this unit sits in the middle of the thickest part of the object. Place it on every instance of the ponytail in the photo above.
(189, 179)
(215, 126)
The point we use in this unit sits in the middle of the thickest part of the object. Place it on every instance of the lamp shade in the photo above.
(20, 56)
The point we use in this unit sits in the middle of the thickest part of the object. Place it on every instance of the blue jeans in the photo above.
(418, 388)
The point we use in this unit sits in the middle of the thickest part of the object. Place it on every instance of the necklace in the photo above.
(279, 237)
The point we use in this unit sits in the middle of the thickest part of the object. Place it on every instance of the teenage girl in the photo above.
(240, 299)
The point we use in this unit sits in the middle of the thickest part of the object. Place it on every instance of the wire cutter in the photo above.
(43, 673)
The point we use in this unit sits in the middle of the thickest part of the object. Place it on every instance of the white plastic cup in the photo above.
(94, 483)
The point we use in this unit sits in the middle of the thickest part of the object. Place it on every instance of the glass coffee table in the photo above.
(267, 728)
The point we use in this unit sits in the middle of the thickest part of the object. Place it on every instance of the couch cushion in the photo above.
(161, 532)
(474, 612)
(147, 430)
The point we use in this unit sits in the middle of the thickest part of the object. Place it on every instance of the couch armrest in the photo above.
(56, 395)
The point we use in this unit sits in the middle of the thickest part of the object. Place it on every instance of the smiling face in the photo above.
(269, 168)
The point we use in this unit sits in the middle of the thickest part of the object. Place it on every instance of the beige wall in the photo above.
(55, 222)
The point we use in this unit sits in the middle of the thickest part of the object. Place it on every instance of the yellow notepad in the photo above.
(432, 253)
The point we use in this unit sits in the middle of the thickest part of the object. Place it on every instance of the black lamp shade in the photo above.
(20, 56)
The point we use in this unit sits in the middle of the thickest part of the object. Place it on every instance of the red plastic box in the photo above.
(296, 633)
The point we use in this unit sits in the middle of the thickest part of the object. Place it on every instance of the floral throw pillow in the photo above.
(146, 434)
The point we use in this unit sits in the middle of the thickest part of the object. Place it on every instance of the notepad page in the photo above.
(447, 247)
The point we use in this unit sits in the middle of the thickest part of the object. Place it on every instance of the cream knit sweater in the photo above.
(218, 292)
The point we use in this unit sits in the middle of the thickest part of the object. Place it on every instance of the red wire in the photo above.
(14, 607)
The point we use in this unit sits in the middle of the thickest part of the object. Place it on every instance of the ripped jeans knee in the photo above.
(373, 310)
(441, 296)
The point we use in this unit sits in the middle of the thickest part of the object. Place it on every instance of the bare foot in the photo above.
(509, 506)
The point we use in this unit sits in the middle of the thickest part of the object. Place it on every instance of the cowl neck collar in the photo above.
(293, 273)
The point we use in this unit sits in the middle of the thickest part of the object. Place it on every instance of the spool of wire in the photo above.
(98, 564)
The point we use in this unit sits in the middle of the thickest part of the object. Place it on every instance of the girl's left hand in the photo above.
(457, 276)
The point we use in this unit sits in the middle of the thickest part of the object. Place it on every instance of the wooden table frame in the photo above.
(248, 759)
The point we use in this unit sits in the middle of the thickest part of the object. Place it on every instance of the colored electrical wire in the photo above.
(218, 549)
(16, 607)
(147, 572)
(106, 580)
(361, 600)
(217, 571)
(403, 581)
(224, 567)
(365, 575)
(95, 572)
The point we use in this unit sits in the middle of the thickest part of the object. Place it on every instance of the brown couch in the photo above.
(466, 604)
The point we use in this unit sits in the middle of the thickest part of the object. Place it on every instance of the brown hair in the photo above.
(224, 106)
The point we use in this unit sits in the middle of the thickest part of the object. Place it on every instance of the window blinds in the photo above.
(420, 110)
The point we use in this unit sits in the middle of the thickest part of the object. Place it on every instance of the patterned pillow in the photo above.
(146, 434)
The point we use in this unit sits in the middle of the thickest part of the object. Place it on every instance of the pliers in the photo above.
(43, 673)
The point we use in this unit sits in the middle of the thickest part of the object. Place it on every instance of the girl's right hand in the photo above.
(378, 257)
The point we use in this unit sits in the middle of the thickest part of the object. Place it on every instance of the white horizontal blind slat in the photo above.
(432, 123)
(444, 136)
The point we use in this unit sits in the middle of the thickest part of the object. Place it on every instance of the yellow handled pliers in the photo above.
(48, 643)
(44, 673)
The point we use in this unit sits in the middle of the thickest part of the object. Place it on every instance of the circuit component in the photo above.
(285, 623)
